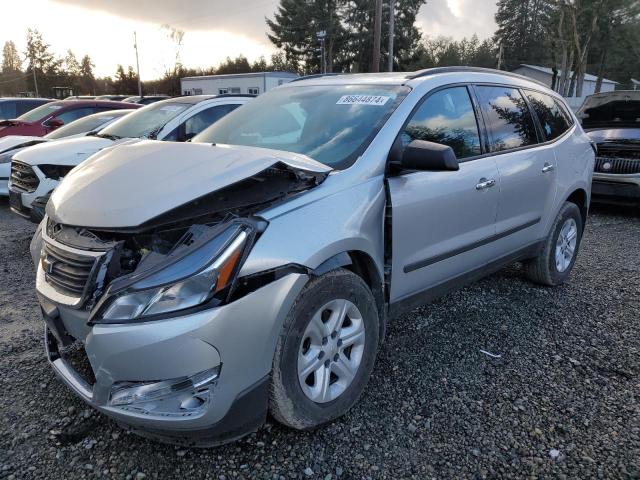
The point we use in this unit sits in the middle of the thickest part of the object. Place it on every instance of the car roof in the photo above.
(409, 78)
(195, 99)
(24, 99)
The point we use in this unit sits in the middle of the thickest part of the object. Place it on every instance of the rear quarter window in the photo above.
(551, 116)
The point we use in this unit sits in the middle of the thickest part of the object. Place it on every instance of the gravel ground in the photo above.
(561, 401)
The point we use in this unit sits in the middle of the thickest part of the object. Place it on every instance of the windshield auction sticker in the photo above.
(377, 100)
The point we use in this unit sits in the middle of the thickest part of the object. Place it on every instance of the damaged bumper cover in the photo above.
(237, 338)
(174, 345)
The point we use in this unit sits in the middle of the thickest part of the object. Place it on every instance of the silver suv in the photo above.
(190, 289)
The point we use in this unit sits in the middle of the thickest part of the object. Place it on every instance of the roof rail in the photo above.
(433, 71)
(225, 95)
(316, 75)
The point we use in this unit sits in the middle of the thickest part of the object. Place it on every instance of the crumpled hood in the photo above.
(18, 141)
(71, 151)
(128, 185)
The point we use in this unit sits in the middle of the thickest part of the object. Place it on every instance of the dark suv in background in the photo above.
(11, 107)
(46, 118)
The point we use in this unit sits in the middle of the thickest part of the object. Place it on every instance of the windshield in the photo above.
(85, 124)
(145, 122)
(332, 124)
(40, 112)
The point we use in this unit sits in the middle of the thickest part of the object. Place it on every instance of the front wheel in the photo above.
(326, 351)
(554, 263)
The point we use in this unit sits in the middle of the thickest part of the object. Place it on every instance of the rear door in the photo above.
(527, 168)
(441, 221)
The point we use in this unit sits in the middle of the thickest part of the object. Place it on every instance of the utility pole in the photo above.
(135, 45)
(377, 29)
(500, 55)
(322, 35)
(391, 32)
(35, 82)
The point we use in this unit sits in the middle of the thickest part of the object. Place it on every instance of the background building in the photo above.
(253, 83)
(545, 75)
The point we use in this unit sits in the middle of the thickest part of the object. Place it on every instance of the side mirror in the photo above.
(54, 123)
(430, 156)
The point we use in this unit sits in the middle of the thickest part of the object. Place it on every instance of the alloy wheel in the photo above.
(331, 351)
(566, 244)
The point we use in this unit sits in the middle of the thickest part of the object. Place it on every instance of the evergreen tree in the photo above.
(87, 78)
(524, 31)
(11, 62)
(295, 28)
(41, 60)
(359, 17)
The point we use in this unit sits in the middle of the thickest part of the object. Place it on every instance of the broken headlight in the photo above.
(180, 286)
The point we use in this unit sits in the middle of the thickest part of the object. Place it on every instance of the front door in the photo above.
(442, 221)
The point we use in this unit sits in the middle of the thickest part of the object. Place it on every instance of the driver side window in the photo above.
(446, 117)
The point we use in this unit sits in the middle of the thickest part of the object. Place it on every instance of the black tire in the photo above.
(287, 402)
(542, 269)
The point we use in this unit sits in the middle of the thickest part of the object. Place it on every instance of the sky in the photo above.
(214, 29)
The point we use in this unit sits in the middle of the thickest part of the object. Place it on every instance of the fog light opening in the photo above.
(130, 393)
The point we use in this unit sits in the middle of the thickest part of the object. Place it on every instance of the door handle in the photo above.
(483, 184)
(548, 168)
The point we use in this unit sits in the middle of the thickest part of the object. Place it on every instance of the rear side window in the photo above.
(7, 110)
(552, 119)
(446, 117)
(508, 118)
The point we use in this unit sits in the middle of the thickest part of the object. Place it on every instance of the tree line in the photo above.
(570, 36)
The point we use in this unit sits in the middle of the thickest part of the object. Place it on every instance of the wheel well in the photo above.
(579, 197)
(364, 266)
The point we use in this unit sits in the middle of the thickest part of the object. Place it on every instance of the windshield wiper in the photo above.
(106, 135)
(153, 134)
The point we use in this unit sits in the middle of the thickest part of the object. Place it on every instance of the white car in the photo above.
(12, 144)
(37, 170)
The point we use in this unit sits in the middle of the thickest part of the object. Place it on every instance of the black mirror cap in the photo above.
(423, 155)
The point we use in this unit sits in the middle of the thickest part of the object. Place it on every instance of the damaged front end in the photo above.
(183, 260)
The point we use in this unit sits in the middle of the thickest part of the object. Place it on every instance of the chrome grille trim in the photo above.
(23, 177)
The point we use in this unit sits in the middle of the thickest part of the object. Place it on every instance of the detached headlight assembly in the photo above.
(142, 300)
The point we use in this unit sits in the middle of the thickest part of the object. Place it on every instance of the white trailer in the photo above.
(237, 83)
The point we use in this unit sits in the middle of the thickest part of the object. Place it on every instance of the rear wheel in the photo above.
(326, 351)
(554, 263)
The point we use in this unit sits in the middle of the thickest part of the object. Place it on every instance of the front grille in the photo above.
(67, 272)
(23, 177)
(617, 165)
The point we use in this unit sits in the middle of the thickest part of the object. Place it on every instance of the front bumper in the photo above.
(5, 173)
(31, 205)
(617, 189)
(240, 336)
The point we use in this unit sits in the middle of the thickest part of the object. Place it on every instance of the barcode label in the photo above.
(377, 100)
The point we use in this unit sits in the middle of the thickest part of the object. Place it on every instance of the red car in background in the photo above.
(46, 118)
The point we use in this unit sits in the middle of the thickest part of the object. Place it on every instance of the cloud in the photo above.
(455, 18)
(239, 17)
(458, 18)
